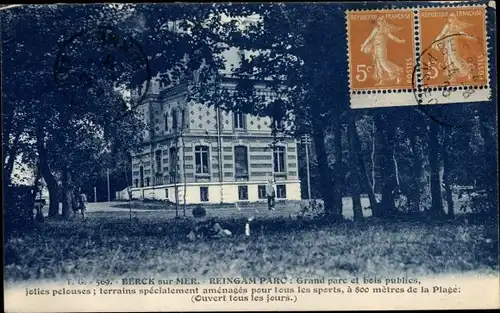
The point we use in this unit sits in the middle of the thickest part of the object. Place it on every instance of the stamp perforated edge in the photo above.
(347, 26)
(487, 48)
(416, 13)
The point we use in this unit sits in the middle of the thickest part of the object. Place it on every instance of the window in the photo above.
(239, 120)
(183, 118)
(278, 113)
(279, 159)
(141, 176)
(172, 26)
(262, 191)
(165, 121)
(174, 119)
(173, 164)
(136, 181)
(243, 192)
(281, 191)
(147, 181)
(279, 124)
(157, 179)
(158, 161)
(241, 161)
(166, 193)
(201, 160)
(203, 194)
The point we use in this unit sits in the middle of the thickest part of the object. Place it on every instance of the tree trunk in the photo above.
(386, 135)
(47, 175)
(339, 172)
(36, 190)
(326, 186)
(414, 185)
(365, 183)
(68, 195)
(129, 183)
(490, 154)
(446, 171)
(10, 151)
(52, 187)
(435, 185)
(176, 183)
(355, 171)
(184, 176)
(8, 168)
(372, 156)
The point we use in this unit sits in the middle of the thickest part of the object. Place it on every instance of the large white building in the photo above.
(201, 154)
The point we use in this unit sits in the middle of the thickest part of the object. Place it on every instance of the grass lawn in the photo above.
(170, 206)
(152, 243)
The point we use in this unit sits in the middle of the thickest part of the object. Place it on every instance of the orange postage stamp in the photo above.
(453, 46)
(381, 49)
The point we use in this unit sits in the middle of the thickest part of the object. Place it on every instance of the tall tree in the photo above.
(446, 170)
(64, 95)
(435, 182)
(385, 131)
(355, 170)
(93, 65)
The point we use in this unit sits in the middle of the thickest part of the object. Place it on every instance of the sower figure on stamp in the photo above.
(270, 193)
(376, 45)
(447, 42)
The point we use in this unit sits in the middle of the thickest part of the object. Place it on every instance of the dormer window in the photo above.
(279, 124)
(241, 55)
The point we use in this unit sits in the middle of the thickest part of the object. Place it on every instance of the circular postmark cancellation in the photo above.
(102, 62)
(427, 94)
(453, 67)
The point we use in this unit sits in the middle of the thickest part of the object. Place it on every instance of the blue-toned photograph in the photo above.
(235, 142)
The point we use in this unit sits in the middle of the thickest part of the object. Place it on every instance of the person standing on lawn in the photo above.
(270, 193)
(82, 203)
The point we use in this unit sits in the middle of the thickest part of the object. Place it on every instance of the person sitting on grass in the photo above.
(205, 227)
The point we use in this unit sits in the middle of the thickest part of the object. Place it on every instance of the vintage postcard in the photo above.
(243, 157)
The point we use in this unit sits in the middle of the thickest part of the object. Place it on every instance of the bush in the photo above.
(18, 208)
(311, 210)
(475, 201)
(199, 211)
